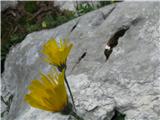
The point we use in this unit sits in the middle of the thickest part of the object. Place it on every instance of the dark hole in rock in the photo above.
(118, 115)
(74, 26)
(79, 60)
(113, 41)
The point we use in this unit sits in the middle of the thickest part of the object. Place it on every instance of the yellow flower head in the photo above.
(48, 93)
(55, 53)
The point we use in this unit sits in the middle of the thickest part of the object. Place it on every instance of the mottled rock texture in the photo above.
(7, 4)
(129, 80)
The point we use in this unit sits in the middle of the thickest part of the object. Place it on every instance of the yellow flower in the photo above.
(48, 93)
(55, 53)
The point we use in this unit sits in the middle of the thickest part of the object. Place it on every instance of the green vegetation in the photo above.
(31, 6)
(30, 16)
(84, 8)
(104, 3)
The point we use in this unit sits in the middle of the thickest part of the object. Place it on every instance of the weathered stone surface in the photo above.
(71, 5)
(129, 80)
(68, 5)
(6, 4)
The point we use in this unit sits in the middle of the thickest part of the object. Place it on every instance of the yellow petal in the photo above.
(48, 93)
(56, 53)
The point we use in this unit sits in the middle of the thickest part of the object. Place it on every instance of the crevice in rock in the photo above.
(75, 25)
(2, 66)
(101, 16)
(106, 15)
(93, 109)
(79, 59)
(113, 41)
(136, 20)
(7, 104)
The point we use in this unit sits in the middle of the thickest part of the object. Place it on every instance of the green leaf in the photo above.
(44, 25)
(30, 6)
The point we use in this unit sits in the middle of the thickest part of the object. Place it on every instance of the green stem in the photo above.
(74, 114)
(70, 92)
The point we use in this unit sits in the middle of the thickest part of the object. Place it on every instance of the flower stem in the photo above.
(74, 114)
(70, 92)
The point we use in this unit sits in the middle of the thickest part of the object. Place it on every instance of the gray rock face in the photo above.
(6, 4)
(71, 5)
(68, 5)
(129, 80)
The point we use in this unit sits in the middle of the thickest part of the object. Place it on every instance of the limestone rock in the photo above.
(6, 4)
(71, 5)
(129, 80)
(65, 5)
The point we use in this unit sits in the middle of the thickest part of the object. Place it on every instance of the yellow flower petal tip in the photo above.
(48, 93)
(56, 53)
